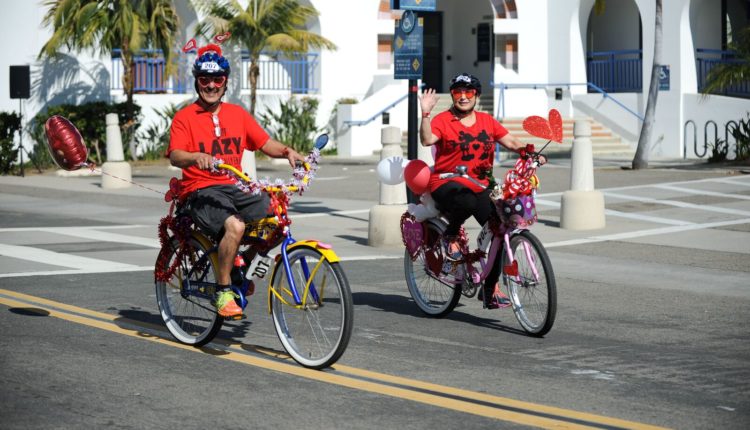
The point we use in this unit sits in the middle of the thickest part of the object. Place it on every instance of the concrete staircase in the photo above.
(603, 142)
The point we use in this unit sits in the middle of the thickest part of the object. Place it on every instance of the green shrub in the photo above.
(294, 124)
(719, 151)
(155, 139)
(10, 123)
(90, 120)
(741, 135)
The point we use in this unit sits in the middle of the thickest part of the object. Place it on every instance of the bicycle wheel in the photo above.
(185, 300)
(533, 291)
(435, 293)
(317, 332)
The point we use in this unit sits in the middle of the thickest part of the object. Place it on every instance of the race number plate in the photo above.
(260, 267)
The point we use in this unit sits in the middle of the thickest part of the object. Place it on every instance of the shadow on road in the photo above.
(405, 306)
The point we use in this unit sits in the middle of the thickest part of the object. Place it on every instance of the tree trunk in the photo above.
(253, 74)
(128, 75)
(640, 161)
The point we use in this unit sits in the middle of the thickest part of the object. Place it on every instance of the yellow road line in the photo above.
(476, 403)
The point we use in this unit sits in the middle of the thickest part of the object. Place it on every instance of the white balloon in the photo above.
(391, 170)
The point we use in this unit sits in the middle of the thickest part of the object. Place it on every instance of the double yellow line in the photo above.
(470, 402)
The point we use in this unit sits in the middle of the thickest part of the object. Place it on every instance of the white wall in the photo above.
(702, 109)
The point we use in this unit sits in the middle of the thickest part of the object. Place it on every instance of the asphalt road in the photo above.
(652, 325)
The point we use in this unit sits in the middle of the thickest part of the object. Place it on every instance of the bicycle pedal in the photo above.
(236, 317)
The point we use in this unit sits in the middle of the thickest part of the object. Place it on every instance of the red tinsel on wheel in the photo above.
(65, 143)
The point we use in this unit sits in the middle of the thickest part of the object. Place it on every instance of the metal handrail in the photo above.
(503, 86)
(372, 118)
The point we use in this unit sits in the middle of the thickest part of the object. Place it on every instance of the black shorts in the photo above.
(211, 206)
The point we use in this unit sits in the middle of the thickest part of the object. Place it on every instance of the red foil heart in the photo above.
(546, 129)
(65, 143)
(412, 234)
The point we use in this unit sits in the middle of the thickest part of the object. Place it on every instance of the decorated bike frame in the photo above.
(504, 237)
(261, 237)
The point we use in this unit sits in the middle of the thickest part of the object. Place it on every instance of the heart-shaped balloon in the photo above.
(546, 129)
(65, 143)
(412, 234)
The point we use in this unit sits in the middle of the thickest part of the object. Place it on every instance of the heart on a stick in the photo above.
(546, 129)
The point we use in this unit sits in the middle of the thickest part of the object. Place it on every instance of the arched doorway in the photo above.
(614, 48)
(458, 37)
(714, 27)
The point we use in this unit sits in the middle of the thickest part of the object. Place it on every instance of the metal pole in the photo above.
(20, 135)
(412, 131)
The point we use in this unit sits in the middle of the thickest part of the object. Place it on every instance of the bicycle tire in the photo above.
(434, 296)
(189, 314)
(534, 301)
(316, 333)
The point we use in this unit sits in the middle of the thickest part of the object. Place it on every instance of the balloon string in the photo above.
(93, 168)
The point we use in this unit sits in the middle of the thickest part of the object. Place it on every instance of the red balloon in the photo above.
(65, 143)
(417, 176)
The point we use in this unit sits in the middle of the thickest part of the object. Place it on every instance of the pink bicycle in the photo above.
(526, 274)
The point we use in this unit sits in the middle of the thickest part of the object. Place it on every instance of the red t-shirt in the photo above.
(460, 145)
(193, 130)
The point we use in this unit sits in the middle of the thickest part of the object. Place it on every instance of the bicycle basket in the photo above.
(519, 211)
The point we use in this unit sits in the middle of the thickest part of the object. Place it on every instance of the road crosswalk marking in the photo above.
(72, 264)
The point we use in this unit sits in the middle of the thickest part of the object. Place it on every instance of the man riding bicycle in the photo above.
(464, 137)
(208, 129)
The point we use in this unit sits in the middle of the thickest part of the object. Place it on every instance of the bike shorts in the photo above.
(211, 206)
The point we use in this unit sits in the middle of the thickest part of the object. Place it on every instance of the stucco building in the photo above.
(531, 55)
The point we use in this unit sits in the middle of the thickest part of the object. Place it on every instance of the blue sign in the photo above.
(663, 78)
(423, 5)
(408, 46)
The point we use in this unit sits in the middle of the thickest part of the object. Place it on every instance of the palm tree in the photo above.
(276, 25)
(106, 25)
(726, 75)
(640, 160)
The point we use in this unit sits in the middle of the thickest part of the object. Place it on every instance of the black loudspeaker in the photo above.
(20, 82)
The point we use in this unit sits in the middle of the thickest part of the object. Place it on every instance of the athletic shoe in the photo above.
(497, 299)
(226, 306)
(452, 250)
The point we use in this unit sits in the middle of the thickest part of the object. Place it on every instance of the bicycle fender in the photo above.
(207, 245)
(324, 249)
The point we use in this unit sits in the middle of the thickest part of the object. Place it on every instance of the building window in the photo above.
(385, 12)
(505, 9)
(506, 51)
(385, 51)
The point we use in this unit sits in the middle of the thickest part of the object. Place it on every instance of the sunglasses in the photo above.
(468, 92)
(218, 81)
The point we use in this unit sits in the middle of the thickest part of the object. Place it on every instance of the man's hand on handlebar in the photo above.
(294, 158)
(203, 161)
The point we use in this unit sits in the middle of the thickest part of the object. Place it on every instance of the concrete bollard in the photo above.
(385, 218)
(116, 172)
(582, 208)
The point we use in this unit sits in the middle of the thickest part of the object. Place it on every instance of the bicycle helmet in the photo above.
(466, 80)
(210, 62)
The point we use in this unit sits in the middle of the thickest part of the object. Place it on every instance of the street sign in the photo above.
(663, 78)
(407, 46)
(421, 5)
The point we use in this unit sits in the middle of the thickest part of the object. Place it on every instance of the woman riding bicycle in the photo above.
(208, 129)
(464, 137)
